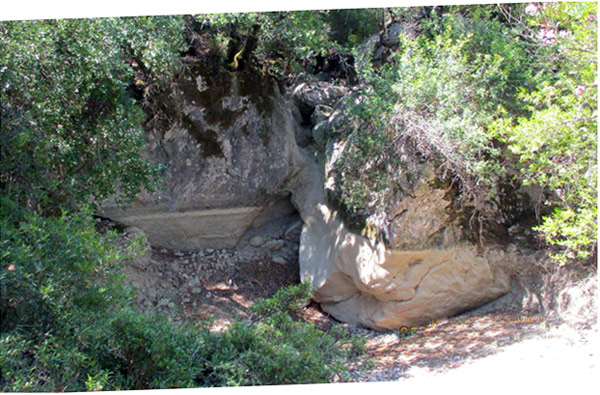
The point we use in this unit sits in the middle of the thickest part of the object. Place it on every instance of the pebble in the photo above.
(178, 253)
(163, 302)
(257, 241)
(194, 281)
(210, 250)
(279, 259)
(293, 231)
(164, 250)
(274, 245)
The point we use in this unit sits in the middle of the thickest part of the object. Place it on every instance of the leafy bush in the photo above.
(434, 98)
(277, 349)
(123, 350)
(70, 131)
(143, 351)
(556, 141)
(288, 300)
(494, 96)
(53, 268)
(276, 42)
(65, 325)
(352, 27)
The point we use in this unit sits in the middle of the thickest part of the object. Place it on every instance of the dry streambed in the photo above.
(223, 284)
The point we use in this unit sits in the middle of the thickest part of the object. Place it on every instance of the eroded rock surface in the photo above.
(227, 142)
(236, 162)
(360, 281)
(192, 229)
(427, 271)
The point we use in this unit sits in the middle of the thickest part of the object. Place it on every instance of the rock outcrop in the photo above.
(233, 160)
(360, 281)
(426, 271)
(227, 143)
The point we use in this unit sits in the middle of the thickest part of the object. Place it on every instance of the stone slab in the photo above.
(193, 229)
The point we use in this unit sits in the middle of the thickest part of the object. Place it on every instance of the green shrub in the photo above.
(145, 352)
(65, 324)
(288, 300)
(123, 350)
(435, 99)
(70, 131)
(277, 349)
(53, 268)
(352, 27)
(494, 97)
(275, 42)
(556, 141)
(53, 363)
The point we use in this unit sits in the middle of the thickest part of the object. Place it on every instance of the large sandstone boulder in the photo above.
(425, 271)
(360, 281)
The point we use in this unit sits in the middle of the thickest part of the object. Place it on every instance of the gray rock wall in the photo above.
(228, 146)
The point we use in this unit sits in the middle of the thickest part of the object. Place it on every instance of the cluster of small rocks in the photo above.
(175, 283)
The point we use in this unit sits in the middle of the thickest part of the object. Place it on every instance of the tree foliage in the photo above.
(276, 42)
(494, 95)
(70, 131)
(556, 141)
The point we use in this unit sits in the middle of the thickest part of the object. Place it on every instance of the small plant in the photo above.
(275, 348)
(289, 300)
(406, 331)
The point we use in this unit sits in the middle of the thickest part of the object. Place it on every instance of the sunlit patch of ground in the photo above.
(458, 344)
(222, 285)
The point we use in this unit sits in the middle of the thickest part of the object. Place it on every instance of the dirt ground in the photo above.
(218, 284)
(222, 284)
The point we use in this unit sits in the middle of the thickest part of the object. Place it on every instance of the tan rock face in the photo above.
(422, 219)
(358, 281)
(428, 275)
(415, 287)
